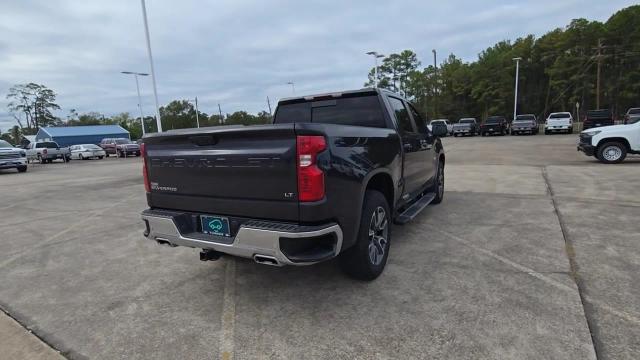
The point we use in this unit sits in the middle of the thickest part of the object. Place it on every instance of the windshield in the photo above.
(438, 121)
(123, 141)
(467, 121)
(494, 120)
(4, 144)
(92, 147)
(525, 118)
(559, 116)
(635, 111)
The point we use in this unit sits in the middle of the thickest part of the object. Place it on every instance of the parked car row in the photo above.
(47, 151)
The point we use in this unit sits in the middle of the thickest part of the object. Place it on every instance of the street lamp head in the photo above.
(517, 59)
(372, 53)
(290, 83)
(134, 73)
(379, 56)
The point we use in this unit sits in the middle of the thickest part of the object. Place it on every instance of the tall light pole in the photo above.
(435, 89)
(197, 119)
(153, 74)
(515, 97)
(376, 56)
(293, 86)
(136, 74)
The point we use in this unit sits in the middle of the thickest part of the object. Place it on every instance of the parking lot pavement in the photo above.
(485, 274)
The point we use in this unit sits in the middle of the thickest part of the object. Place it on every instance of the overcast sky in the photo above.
(237, 53)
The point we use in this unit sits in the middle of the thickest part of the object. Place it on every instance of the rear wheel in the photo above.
(22, 169)
(612, 152)
(570, 131)
(367, 258)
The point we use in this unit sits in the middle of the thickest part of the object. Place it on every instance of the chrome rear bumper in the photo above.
(254, 239)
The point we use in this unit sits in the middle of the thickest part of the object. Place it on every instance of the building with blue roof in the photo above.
(75, 135)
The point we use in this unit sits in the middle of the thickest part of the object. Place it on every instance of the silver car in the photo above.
(87, 151)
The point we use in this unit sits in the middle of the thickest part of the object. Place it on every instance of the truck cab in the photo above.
(611, 144)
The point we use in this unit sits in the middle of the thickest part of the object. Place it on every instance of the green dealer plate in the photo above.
(215, 225)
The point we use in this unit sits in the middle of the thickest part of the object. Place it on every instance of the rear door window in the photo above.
(402, 115)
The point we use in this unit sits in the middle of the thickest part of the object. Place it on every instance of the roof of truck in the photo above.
(336, 94)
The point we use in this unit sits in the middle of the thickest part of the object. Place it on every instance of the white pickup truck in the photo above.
(12, 158)
(611, 144)
(47, 151)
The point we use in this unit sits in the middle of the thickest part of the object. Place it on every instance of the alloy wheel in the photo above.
(378, 235)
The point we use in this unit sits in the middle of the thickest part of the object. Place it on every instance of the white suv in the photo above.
(559, 121)
(611, 144)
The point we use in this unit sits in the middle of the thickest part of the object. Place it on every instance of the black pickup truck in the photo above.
(597, 118)
(327, 178)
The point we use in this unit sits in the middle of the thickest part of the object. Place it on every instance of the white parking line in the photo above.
(228, 311)
(621, 314)
(66, 230)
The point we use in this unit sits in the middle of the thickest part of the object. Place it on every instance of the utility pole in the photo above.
(435, 88)
(515, 97)
(599, 56)
(220, 111)
(269, 105)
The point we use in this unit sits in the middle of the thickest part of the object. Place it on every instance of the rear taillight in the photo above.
(310, 177)
(145, 173)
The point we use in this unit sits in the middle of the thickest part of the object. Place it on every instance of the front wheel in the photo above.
(366, 259)
(612, 152)
(22, 169)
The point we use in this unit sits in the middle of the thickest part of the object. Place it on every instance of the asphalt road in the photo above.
(533, 253)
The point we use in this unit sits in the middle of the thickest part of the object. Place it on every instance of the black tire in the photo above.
(80, 156)
(100, 157)
(612, 152)
(22, 169)
(120, 154)
(106, 154)
(40, 159)
(366, 259)
(438, 186)
(483, 134)
(570, 131)
(546, 132)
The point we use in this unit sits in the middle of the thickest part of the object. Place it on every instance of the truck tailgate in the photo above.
(236, 170)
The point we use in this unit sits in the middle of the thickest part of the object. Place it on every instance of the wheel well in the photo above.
(441, 158)
(384, 184)
(615, 139)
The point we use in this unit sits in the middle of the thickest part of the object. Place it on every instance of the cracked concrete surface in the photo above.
(483, 275)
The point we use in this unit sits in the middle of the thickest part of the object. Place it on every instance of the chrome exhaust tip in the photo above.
(266, 260)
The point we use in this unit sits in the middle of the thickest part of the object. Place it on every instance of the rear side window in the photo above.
(356, 111)
(402, 115)
(420, 123)
(48, 145)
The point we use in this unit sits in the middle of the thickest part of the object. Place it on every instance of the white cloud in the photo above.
(239, 52)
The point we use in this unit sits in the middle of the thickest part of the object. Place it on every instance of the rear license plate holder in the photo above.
(215, 225)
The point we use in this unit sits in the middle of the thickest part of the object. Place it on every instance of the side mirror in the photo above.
(439, 130)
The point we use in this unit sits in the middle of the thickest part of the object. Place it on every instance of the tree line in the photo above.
(557, 70)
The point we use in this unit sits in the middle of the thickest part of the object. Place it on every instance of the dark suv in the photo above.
(121, 147)
(494, 125)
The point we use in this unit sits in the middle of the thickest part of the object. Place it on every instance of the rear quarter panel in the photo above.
(354, 155)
